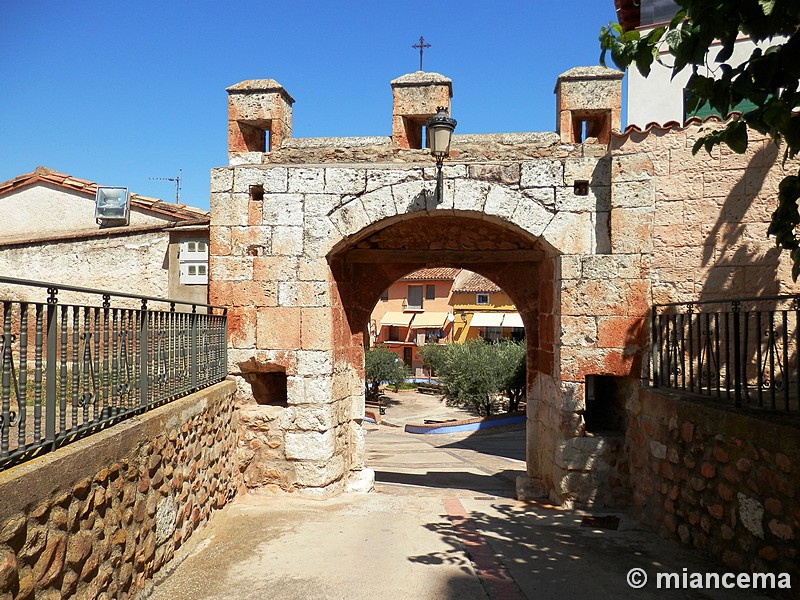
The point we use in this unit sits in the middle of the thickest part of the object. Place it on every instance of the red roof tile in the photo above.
(439, 273)
(178, 212)
(475, 283)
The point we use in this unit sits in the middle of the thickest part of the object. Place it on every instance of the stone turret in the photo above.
(416, 97)
(259, 116)
(588, 104)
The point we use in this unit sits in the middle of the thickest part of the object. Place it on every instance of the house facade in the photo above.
(51, 233)
(483, 310)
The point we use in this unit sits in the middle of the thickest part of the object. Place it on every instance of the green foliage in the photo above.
(475, 374)
(768, 79)
(382, 365)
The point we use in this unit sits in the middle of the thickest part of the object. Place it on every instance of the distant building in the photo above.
(413, 311)
(658, 98)
(50, 233)
(482, 309)
(441, 305)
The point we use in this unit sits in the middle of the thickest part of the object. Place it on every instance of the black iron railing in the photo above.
(70, 369)
(744, 351)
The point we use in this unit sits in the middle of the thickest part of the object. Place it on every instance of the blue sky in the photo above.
(119, 92)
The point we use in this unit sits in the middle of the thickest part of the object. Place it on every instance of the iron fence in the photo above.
(744, 350)
(71, 369)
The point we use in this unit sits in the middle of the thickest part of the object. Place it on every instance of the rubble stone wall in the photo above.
(101, 516)
(719, 481)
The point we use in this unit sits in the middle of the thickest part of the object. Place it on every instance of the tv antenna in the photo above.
(177, 181)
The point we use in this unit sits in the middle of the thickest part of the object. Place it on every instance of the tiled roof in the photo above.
(439, 273)
(178, 212)
(671, 125)
(475, 283)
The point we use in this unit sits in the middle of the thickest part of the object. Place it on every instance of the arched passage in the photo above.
(523, 266)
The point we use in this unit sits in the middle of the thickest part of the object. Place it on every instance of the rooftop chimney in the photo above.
(416, 98)
(588, 104)
(259, 116)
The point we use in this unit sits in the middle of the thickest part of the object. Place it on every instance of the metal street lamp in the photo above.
(440, 131)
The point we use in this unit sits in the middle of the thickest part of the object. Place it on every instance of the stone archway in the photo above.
(366, 265)
(302, 245)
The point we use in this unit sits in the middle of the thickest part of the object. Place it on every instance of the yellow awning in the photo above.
(483, 319)
(512, 320)
(429, 320)
(397, 319)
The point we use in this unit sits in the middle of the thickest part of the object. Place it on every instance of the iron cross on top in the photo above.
(421, 45)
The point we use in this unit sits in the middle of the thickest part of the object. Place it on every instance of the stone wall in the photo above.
(719, 481)
(710, 214)
(98, 518)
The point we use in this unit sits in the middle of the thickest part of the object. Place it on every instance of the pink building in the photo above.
(413, 311)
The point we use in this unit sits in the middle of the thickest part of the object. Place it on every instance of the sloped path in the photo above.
(442, 524)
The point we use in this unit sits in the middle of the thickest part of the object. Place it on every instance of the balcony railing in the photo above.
(71, 369)
(744, 351)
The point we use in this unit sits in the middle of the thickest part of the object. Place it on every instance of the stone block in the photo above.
(320, 474)
(275, 268)
(380, 178)
(595, 171)
(220, 241)
(470, 195)
(242, 326)
(412, 196)
(221, 180)
(350, 218)
(282, 209)
(229, 209)
(306, 180)
(580, 453)
(316, 329)
(310, 445)
(631, 230)
(304, 293)
(237, 159)
(379, 204)
(231, 268)
(287, 240)
(571, 233)
(632, 167)
(317, 389)
(313, 417)
(278, 328)
(251, 241)
(506, 174)
(361, 481)
(501, 202)
(531, 216)
(541, 173)
(598, 199)
(314, 362)
(272, 179)
(321, 204)
(620, 332)
(344, 181)
(751, 514)
(633, 194)
(320, 235)
(578, 331)
(544, 196)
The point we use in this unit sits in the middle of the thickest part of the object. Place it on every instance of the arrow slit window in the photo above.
(193, 259)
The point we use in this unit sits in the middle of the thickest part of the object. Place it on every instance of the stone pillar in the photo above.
(588, 104)
(416, 98)
(259, 116)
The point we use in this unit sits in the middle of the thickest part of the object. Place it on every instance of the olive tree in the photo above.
(476, 374)
(381, 365)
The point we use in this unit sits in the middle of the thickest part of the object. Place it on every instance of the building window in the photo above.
(414, 300)
(193, 262)
(493, 334)
(385, 295)
(430, 292)
(481, 299)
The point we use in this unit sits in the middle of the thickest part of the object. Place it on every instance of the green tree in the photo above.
(769, 79)
(477, 373)
(382, 365)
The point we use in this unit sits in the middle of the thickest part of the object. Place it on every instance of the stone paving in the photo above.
(441, 524)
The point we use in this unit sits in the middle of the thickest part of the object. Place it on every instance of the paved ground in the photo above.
(442, 524)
